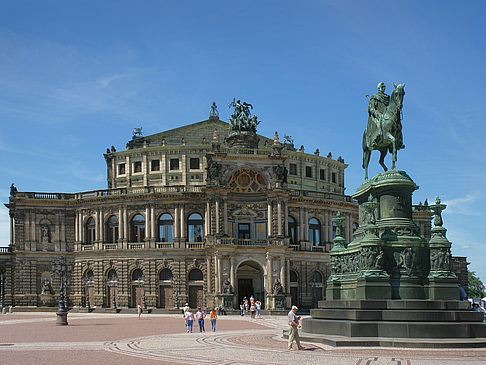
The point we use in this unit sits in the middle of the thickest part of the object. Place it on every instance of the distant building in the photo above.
(206, 214)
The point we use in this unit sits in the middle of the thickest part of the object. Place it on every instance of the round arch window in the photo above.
(165, 275)
(314, 231)
(195, 228)
(195, 275)
(166, 228)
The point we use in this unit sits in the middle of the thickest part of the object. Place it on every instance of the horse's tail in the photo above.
(365, 148)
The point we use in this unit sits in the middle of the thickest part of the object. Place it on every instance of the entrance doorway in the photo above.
(250, 282)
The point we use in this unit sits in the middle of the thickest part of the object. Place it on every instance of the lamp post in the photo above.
(313, 284)
(86, 284)
(62, 268)
(144, 303)
(112, 284)
(175, 284)
(2, 289)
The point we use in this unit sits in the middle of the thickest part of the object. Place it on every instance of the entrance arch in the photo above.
(250, 281)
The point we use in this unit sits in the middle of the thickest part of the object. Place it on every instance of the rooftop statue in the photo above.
(213, 113)
(241, 120)
(384, 130)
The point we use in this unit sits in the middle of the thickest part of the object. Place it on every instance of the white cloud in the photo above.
(464, 205)
(106, 81)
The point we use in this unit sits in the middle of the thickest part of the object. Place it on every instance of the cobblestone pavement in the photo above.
(27, 338)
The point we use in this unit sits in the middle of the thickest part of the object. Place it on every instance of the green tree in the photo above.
(476, 286)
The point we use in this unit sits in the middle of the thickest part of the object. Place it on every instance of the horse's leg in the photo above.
(382, 158)
(366, 161)
(394, 150)
(366, 156)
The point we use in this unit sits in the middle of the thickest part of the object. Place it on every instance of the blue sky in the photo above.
(77, 77)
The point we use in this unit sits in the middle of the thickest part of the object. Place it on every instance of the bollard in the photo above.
(10, 309)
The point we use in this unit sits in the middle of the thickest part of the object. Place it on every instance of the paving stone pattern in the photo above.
(161, 339)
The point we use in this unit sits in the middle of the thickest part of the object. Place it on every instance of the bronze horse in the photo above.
(387, 136)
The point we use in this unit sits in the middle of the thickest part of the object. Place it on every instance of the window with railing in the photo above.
(137, 228)
(112, 230)
(314, 231)
(195, 228)
(166, 227)
(292, 230)
(90, 229)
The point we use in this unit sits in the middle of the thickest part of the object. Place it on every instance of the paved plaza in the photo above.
(33, 338)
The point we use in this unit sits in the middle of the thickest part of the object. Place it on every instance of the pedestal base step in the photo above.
(342, 341)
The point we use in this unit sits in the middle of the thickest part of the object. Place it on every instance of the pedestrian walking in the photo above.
(184, 311)
(200, 315)
(213, 317)
(139, 310)
(242, 309)
(189, 320)
(294, 326)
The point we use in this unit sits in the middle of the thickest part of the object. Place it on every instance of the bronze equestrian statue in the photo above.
(384, 130)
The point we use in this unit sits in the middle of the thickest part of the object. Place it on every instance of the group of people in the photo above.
(200, 316)
(251, 305)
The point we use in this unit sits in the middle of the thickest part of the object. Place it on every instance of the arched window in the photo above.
(194, 228)
(292, 230)
(165, 275)
(166, 227)
(90, 231)
(137, 228)
(112, 276)
(112, 230)
(316, 277)
(314, 231)
(293, 277)
(137, 275)
(195, 275)
(88, 277)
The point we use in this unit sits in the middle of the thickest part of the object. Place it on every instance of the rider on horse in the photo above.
(376, 109)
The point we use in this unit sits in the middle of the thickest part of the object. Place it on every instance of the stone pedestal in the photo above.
(47, 300)
(276, 301)
(390, 287)
(228, 300)
(61, 318)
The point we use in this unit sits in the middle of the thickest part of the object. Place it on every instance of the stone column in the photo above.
(125, 225)
(12, 230)
(207, 225)
(102, 226)
(147, 223)
(301, 224)
(121, 231)
(287, 282)
(270, 273)
(208, 273)
(282, 273)
(217, 216)
(232, 272)
(325, 233)
(269, 218)
(286, 218)
(113, 172)
(81, 227)
(152, 223)
(76, 228)
(176, 222)
(183, 223)
(97, 226)
(279, 217)
(306, 223)
(218, 276)
(225, 218)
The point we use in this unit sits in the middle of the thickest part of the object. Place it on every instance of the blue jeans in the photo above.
(258, 312)
(213, 324)
(242, 312)
(201, 325)
(189, 325)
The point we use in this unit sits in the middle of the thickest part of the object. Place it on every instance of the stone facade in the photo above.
(186, 218)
